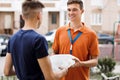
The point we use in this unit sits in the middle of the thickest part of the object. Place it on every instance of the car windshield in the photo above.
(104, 35)
(49, 33)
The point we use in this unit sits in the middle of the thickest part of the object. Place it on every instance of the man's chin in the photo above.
(72, 20)
(38, 27)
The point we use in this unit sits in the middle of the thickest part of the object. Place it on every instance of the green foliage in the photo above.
(106, 65)
(49, 44)
(109, 74)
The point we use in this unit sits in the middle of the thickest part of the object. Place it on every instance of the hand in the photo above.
(64, 70)
(61, 73)
(77, 62)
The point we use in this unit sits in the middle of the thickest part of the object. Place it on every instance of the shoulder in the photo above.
(35, 35)
(92, 34)
(38, 37)
(90, 31)
(62, 29)
(14, 35)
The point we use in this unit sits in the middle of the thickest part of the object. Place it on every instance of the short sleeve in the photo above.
(41, 47)
(94, 48)
(55, 44)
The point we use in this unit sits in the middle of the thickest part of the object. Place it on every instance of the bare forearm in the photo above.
(60, 74)
(89, 63)
(10, 73)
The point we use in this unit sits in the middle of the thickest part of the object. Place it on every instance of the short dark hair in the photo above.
(80, 2)
(29, 8)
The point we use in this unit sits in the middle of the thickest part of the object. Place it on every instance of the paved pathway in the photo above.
(117, 69)
(2, 61)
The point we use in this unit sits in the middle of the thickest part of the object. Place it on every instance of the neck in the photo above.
(76, 25)
(30, 25)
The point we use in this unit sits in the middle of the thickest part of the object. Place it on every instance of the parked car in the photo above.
(3, 44)
(105, 38)
(50, 36)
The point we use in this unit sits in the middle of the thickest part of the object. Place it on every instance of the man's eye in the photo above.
(69, 10)
(74, 10)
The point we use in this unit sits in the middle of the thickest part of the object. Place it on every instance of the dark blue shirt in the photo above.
(26, 46)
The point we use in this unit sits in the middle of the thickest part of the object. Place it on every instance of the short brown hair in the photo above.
(29, 8)
(80, 2)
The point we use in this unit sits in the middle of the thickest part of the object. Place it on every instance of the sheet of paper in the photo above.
(61, 60)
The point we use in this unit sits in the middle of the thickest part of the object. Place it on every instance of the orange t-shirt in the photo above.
(86, 45)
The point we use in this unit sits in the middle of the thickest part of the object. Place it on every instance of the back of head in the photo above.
(80, 2)
(30, 7)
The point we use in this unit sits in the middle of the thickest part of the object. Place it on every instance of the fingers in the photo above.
(64, 70)
(77, 62)
(61, 68)
(76, 59)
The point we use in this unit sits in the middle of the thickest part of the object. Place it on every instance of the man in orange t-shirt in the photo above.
(78, 40)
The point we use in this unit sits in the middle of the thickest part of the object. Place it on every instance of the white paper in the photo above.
(61, 60)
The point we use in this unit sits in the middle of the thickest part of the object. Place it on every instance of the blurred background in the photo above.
(100, 15)
(103, 16)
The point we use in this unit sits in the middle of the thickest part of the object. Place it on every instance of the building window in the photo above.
(54, 18)
(65, 17)
(7, 21)
(118, 2)
(7, 24)
(97, 2)
(96, 19)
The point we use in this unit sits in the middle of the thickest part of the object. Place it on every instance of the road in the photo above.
(2, 61)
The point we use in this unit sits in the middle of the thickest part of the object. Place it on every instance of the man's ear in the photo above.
(82, 10)
(23, 17)
(38, 16)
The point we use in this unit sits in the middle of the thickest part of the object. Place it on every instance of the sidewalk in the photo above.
(2, 61)
(117, 68)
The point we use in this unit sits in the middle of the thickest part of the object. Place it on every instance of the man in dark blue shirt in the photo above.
(28, 50)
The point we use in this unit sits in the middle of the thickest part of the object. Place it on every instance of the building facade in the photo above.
(9, 16)
(54, 15)
(100, 15)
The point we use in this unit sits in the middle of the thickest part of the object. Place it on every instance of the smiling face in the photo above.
(74, 12)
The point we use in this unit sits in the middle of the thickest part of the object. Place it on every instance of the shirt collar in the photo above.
(82, 29)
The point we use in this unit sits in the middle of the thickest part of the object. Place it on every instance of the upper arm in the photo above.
(55, 44)
(8, 64)
(46, 68)
(94, 59)
(94, 46)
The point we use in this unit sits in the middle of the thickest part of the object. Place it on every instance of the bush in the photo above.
(106, 65)
(49, 44)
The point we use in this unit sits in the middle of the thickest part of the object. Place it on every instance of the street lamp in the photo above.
(114, 36)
